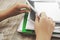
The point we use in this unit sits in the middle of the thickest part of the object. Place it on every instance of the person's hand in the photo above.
(44, 27)
(24, 7)
(21, 8)
(14, 10)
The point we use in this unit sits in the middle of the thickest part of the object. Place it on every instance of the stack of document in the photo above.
(52, 10)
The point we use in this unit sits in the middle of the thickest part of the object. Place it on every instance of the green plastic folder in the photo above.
(24, 30)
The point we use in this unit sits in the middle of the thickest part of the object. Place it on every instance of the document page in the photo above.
(50, 8)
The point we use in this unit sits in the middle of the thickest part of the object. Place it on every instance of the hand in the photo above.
(44, 27)
(14, 10)
(21, 6)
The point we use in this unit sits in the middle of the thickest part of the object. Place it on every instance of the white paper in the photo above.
(50, 8)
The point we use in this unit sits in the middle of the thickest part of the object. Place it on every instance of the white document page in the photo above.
(50, 8)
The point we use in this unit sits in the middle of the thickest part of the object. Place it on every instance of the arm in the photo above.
(44, 27)
(11, 11)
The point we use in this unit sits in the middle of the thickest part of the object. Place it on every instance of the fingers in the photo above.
(24, 6)
(43, 16)
(23, 11)
(51, 21)
(51, 25)
(19, 5)
(36, 19)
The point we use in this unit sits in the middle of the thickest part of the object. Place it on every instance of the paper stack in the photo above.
(51, 9)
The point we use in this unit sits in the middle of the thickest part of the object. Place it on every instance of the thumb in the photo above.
(36, 19)
(43, 14)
